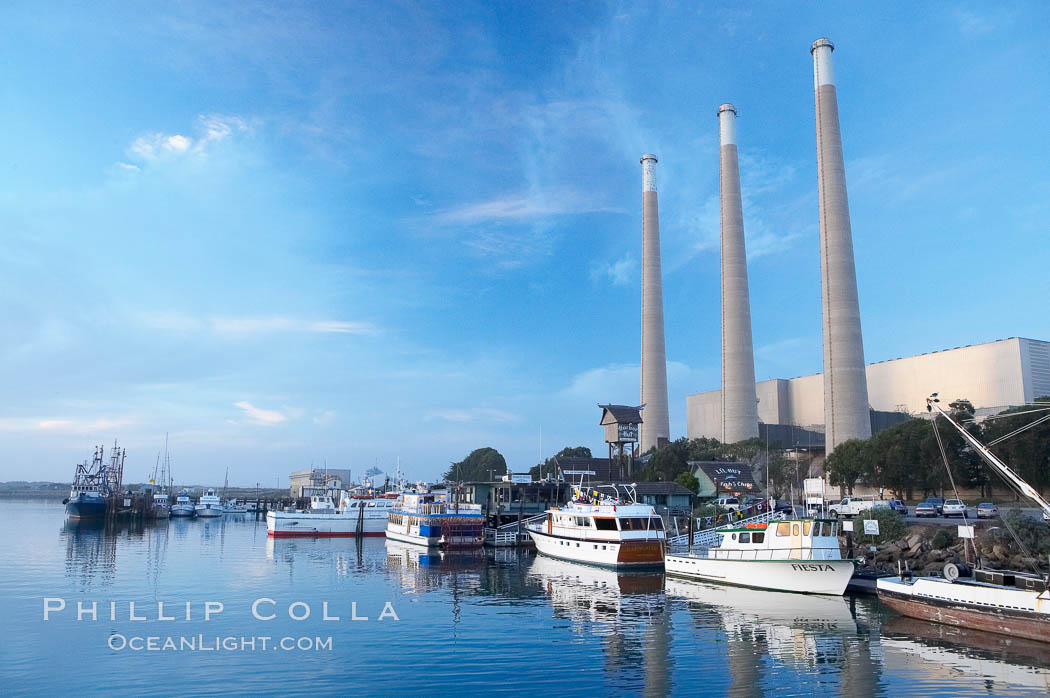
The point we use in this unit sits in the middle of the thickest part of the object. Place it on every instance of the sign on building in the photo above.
(627, 432)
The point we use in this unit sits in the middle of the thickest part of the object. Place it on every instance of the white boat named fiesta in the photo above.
(352, 517)
(800, 555)
(599, 529)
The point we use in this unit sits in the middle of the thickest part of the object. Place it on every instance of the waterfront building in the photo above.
(317, 481)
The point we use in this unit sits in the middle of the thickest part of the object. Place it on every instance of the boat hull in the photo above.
(617, 553)
(1005, 611)
(182, 510)
(281, 524)
(86, 508)
(799, 576)
(208, 512)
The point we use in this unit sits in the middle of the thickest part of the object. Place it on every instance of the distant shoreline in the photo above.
(60, 490)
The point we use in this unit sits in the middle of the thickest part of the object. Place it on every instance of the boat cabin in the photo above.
(795, 539)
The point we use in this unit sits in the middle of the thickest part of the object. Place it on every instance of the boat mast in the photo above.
(932, 403)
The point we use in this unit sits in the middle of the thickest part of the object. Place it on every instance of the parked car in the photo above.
(925, 509)
(898, 506)
(987, 510)
(728, 503)
(938, 504)
(851, 506)
(953, 507)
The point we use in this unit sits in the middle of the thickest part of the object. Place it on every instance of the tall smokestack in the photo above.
(845, 383)
(739, 407)
(655, 427)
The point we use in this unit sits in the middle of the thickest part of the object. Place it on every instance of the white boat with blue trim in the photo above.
(431, 519)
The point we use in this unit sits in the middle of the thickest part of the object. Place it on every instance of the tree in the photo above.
(1028, 453)
(781, 473)
(568, 452)
(687, 480)
(481, 465)
(847, 464)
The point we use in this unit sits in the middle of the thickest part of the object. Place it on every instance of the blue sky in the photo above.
(299, 233)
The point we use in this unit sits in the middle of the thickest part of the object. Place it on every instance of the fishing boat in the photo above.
(796, 555)
(88, 494)
(431, 519)
(354, 516)
(161, 508)
(86, 500)
(1000, 601)
(209, 505)
(161, 479)
(599, 528)
(183, 506)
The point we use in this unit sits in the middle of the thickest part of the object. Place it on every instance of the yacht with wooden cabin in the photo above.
(602, 529)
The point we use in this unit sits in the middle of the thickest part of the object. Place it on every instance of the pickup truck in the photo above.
(851, 506)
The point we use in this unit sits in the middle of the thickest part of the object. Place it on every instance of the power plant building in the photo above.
(993, 376)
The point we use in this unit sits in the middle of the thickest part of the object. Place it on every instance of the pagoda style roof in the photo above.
(621, 414)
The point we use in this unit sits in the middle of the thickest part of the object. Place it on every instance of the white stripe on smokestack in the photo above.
(655, 426)
(739, 406)
(845, 383)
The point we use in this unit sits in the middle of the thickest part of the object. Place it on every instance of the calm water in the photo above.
(498, 622)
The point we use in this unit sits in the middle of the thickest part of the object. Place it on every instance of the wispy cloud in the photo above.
(972, 24)
(257, 415)
(211, 129)
(622, 272)
(324, 418)
(63, 425)
(255, 324)
(468, 415)
(518, 207)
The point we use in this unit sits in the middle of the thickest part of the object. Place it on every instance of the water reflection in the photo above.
(800, 631)
(628, 610)
(940, 652)
(91, 552)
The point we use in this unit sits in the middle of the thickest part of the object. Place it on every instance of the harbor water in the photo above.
(384, 618)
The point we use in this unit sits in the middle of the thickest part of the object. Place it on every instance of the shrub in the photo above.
(891, 524)
(944, 538)
(1034, 533)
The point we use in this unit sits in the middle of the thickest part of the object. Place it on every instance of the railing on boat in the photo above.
(804, 554)
(709, 536)
(513, 533)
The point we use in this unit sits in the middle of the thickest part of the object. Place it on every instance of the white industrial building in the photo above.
(993, 376)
